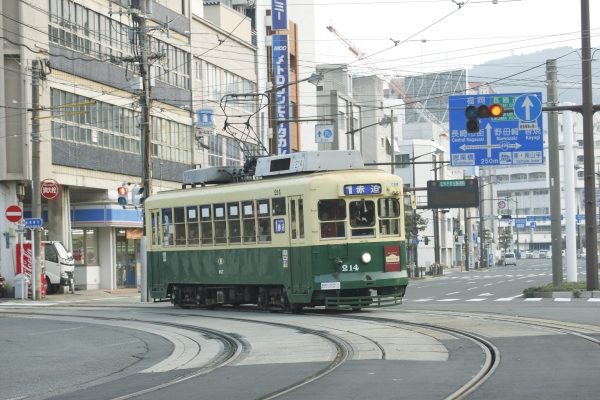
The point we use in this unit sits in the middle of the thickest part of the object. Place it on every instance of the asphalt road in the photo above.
(123, 346)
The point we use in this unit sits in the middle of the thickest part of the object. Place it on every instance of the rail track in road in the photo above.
(346, 340)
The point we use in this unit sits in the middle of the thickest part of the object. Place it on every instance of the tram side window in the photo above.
(206, 226)
(264, 220)
(279, 206)
(332, 216)
(389, 216)
(168, 228)
(233, 217)
(249, 222)
(155, 227)
(301, 218)
(192, 226)
(362, 218)
(179, 219)
(220, 227)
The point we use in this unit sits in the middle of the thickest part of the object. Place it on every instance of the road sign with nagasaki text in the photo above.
(516, 138)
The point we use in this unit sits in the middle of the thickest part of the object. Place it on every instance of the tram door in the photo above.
(298, 261)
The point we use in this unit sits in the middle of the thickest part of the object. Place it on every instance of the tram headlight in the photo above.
(366, 258)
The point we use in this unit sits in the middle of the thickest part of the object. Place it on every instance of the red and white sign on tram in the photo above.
(14, 213)
(50, 189)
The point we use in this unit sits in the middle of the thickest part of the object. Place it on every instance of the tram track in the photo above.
(234, 346)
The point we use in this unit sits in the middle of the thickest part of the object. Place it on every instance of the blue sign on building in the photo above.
(514, 139)
(282, 103)
(205, 118)
(279, 14)
(520, 223)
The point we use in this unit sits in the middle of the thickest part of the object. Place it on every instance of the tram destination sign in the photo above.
(362, 188)
(454, 193)
(516, 138)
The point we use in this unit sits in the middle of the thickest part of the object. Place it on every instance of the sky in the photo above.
(409, 37)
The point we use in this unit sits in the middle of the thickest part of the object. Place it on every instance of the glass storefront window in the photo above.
(85, 246)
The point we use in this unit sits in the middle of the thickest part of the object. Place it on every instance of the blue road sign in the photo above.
(520, 223)
(513, 139)
(528, 107)
(324, 133)
(532, 224)
(32, 223)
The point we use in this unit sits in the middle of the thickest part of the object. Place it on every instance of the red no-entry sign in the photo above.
(14, 213)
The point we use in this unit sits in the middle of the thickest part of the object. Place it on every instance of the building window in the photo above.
(215, 150)
(106, 125)
(402, 160)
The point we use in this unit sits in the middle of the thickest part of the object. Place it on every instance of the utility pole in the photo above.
(554, 172)
(36, 205)
(467, 233)
(145, 100)
(393, 150)
(139, 18)
(436, 221)
(591, 234)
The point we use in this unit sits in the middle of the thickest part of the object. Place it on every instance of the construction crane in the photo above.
(408, 101)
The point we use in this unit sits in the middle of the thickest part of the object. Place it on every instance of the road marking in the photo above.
(594, 300)
(451, 293)
(534, 299)
(565, 299)
(509, 298)
(448, 300)
(476, 300)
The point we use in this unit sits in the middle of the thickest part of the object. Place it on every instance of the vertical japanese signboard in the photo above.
(279, 14)
(282, 110)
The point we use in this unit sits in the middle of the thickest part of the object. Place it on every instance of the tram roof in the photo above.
(304, 179)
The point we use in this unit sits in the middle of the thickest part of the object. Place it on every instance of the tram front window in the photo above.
(332, 214)
(362, 218)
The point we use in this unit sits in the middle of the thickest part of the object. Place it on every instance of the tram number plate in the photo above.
(330, 285)
(350, 268)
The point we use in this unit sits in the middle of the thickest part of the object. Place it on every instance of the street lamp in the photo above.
(385, 121)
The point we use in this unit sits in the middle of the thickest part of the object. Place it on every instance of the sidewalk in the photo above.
(82, 295)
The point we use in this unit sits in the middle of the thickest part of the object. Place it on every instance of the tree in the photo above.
(412, 220)
(505, 237)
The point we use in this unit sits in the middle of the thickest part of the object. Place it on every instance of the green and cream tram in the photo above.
(302, 233)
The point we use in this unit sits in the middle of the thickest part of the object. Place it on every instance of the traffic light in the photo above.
(122, 195)
(474, 113)
(426, 240)
(504, 216)
(137, 197)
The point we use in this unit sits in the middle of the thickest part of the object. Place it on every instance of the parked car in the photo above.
(544, 253)
(510, 259)
(528, 254)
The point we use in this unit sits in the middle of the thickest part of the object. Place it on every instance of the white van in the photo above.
(59, 266)
(510, 259)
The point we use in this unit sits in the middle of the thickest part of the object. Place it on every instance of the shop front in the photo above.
(106, 246)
